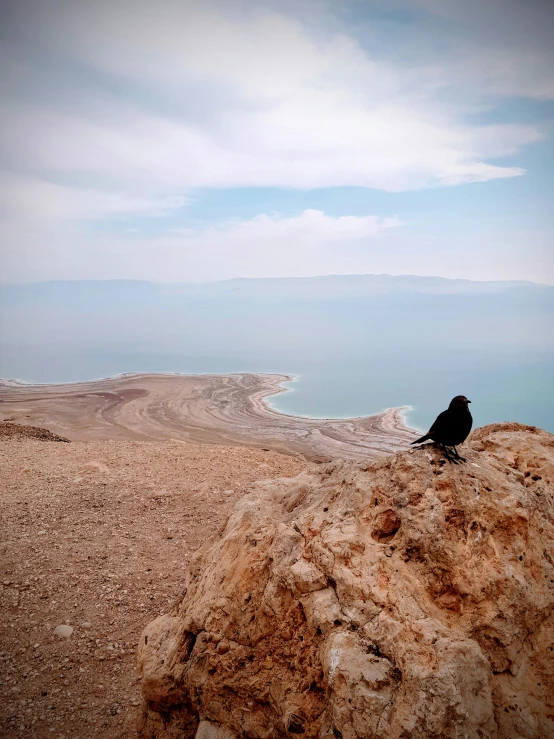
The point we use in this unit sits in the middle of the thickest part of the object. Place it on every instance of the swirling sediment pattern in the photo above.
(224, 409)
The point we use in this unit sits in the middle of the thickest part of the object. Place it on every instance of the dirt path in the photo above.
(97, 535)
(221, 409)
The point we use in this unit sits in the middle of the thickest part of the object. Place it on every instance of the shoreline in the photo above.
(16, 382)
(213, 408)
(403, 410)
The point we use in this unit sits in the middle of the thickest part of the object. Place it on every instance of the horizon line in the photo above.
(254, 279)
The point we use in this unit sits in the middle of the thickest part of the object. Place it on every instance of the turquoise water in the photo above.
(510, 390)
(350, 355)
(498, 393)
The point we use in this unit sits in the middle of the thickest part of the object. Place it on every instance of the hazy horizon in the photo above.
(306, 277)
(359, 344)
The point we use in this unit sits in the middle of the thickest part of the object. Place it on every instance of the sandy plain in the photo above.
(214, 409)
(96, 534)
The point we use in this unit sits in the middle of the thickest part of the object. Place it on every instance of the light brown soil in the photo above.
(97, 535)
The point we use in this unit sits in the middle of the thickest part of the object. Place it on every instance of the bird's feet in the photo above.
(450, 457)
(462, 459)
(448, 454)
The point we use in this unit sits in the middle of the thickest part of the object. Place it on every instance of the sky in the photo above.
(186, 141)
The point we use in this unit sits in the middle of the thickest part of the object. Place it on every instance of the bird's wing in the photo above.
(440, 423)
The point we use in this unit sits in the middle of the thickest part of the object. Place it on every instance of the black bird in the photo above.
(451, 428)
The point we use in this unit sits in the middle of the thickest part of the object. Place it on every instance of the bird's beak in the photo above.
(469, 401)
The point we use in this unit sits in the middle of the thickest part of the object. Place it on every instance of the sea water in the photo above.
(349, 357)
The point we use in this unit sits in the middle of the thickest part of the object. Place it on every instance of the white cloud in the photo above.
(38, 200)
(310, 227)
(309, 141)
(125, 107)
(309, 243)
(255, 99)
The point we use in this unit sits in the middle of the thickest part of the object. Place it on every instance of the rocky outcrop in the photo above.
(403, 598)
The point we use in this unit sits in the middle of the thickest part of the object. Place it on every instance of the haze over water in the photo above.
(198, 142)
(357, 344)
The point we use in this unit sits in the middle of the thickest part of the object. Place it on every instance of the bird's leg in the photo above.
(455, 456)
(452, 458)
(447, 454)
(445, 451)
(462, 459)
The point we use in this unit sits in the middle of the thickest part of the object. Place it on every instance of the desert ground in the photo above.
(217, 409)
(97, 535)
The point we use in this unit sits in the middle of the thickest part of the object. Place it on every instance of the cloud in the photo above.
(311, 227)
(215, 98)
(116, 112)
(309, 243)
(496, 49)
(37, 201)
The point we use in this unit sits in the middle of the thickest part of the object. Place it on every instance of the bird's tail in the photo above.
(423, 438)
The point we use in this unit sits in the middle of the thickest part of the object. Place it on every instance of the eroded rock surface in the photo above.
(403, 598)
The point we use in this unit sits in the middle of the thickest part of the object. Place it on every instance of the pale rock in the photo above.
(306, 577)
(207, 730)
(63, 630)
(379, 601)
(94, 466)
(322, 610)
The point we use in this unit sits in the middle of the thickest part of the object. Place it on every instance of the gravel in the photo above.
(96, 537)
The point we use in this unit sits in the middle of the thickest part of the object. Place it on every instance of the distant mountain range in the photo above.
(296, 288)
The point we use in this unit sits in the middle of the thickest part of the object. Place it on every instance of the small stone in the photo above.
(94, 466)
(223, 647)
(85, 625)
(63, 630)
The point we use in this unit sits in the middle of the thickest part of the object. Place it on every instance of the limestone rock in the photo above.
(405, 598)
(63, 630)
(207, 730)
